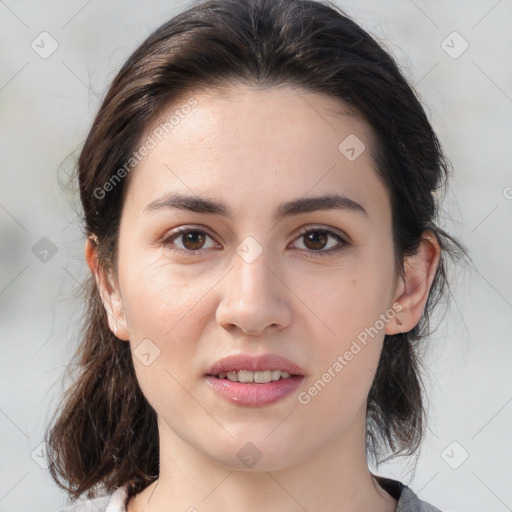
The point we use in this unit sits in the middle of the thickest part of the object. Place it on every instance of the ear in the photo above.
(413, 288)
(109, 290)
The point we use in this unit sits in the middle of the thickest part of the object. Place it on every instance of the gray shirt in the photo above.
(407, 501)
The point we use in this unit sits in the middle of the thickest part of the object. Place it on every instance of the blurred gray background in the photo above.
(57, 60)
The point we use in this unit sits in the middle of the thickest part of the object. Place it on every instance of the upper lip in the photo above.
(258, 363)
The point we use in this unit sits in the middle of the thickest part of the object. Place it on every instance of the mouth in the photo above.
(254, 380)
(254, 394)
(250, 377)
(248, 368)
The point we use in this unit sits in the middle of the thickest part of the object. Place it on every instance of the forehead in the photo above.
(231, 117)
(274, 141)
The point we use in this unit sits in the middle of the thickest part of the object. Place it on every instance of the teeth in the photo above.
(258, 377)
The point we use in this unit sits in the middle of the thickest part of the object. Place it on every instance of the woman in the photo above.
(259, 193)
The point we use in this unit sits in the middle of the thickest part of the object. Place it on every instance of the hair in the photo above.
(105, 434)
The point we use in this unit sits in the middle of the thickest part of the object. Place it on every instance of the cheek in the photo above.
(350, 298)
(155, 298)
(160, 309)
(349, 342)
(344, 364)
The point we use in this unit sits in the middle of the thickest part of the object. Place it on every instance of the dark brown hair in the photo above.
(105, 434)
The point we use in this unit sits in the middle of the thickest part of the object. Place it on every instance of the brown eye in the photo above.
(188, 241)
(316, 240)
(193, 240)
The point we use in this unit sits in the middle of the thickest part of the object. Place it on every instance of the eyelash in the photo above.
(343, 242)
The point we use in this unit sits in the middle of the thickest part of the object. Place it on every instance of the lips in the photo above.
(259, 363)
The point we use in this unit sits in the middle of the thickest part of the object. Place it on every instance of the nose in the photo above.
(254, 296)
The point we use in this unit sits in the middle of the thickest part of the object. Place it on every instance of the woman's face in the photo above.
(250, 281)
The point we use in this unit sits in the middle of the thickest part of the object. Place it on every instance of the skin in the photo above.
(253, 149)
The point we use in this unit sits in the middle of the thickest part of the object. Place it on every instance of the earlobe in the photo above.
(414, 288)
(108, 289)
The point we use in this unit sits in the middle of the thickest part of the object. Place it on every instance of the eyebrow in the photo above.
(294, 207)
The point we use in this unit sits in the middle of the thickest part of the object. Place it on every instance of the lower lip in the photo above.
(253, 393)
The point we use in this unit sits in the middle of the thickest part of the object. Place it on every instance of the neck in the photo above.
(334, 478)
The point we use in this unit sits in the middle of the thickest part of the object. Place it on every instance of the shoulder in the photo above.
(113, 502)
(407, 501)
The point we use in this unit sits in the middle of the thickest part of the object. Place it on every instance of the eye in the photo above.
(316, 240)
(192, 240)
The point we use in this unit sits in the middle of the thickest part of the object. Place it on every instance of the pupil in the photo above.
(314, 238)
(191, 238)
